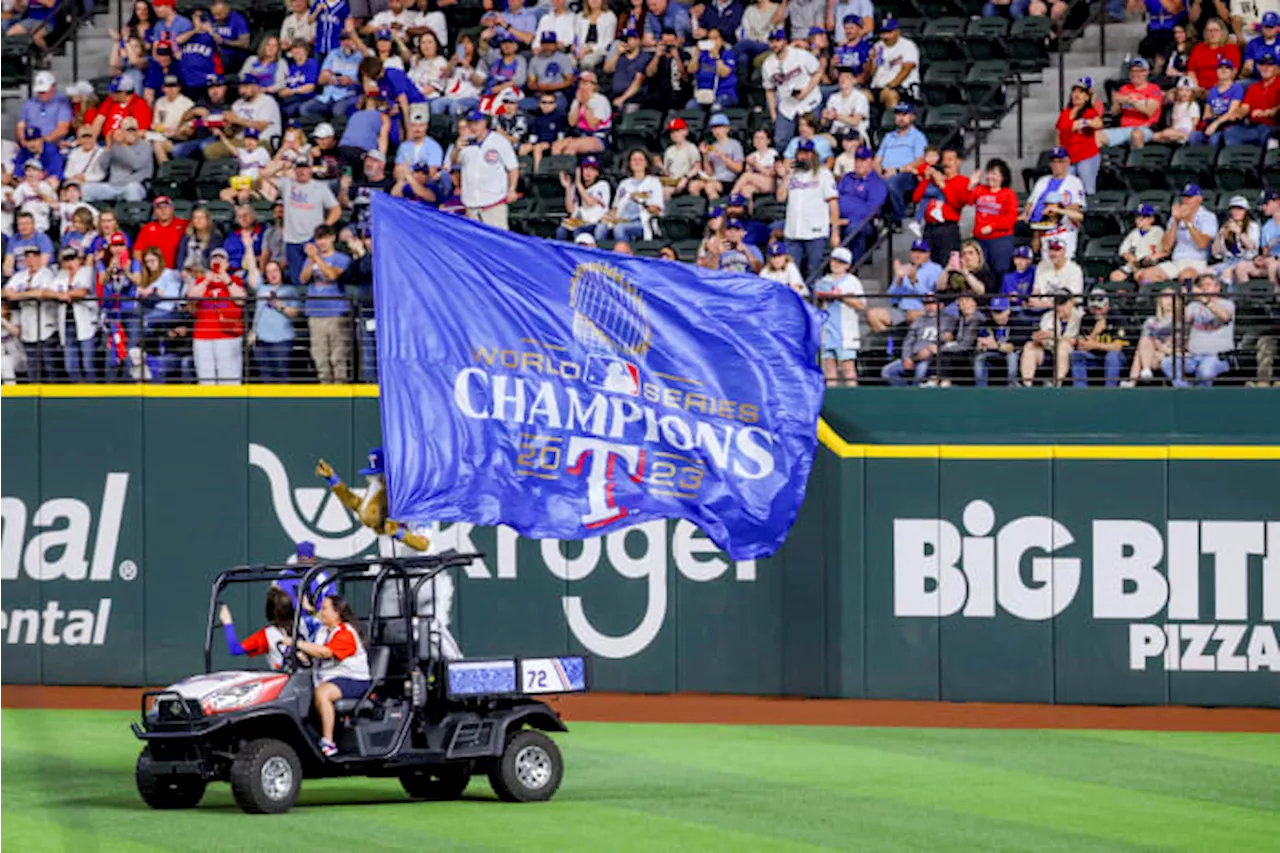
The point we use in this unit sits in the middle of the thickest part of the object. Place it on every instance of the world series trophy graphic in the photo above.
(611, 325)
(435, 598)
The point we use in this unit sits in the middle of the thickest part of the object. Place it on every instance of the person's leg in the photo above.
(1087, 171)
(326, 694)
(319, 349)
(999, 254)
(1011, 369)
(229, 360)
(900, 186)
(922, 370)
(813, 252)
(71, 359)
(100, 192)
(1081, 361)
(980, 369)
(1032, 358)
(1112, 366)
(206, 371)
(295, 259)
(783, 129)
(341, 352)
(893, 372)
(314, 108)
(1209, 368)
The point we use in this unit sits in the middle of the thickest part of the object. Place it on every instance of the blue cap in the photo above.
(999, 303)
(590, 160)
(630, 33)
(1138, 62)
(1271, 19)
(904, 107)
(252, 133)
(735, 222)
(383, 34)
(920, 246)
(715, 212)
(1022, 252)
(477, 115)
(777, 248)
(736, 200)
(1267, 58)
(1059, 153)
(214, 80)
(888, 25)
(1145, 210)
(1191, 190)
(32, 132)
(779, 33)
(1085, 83)
(805, 145)
(851, 19)
(306, 550)
(1270, 195)
(375, 463)
(719, 120)
(813, 31)
(548, 36)
(863, 153)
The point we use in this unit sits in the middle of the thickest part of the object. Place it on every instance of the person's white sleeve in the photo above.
(508, 155)
(770, 72)
(828, 185)
(854, 286)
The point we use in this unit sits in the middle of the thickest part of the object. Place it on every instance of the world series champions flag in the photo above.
(571, 392)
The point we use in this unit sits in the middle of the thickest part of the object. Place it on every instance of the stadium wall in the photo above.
(1133, 563)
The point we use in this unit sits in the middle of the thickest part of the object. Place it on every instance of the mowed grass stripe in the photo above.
(1136, 765)
(1247, 748)
(1090, 809)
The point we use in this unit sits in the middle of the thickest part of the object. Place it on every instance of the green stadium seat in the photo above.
(1145, 168)
(1238, 167)
(1191, 164)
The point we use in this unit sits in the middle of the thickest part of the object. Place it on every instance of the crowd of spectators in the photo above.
(790, 127)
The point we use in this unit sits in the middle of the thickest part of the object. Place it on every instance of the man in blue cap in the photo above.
(1259, 107)
(489, 170)
(1268, 42)
(912, 279)
(895, 63)
(898, 157)
(862, 195)
(1187, 242)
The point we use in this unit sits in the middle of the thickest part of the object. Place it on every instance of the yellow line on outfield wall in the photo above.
(826, 435)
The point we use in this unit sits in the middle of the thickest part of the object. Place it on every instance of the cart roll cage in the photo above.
(409, 573)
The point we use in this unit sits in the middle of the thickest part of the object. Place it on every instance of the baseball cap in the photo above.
(252, 133)
(805, 145)
(375, 154)
(850, 19)
(31, 132)
(736, 200)
(920, 246)
(323, 130)
(590, 160)
(375, 463)
(172, 80)
(1098, 296)
(118, 239)
(383, 35)
(1145, 210)
(1022, 252)
(1057, 244)
(677, 123)
(161, 201)
(715, 212)
(1139, 62)
(777, 249)
(164, 3)
(43, 83)
(864, 153)
(548, 37)
(79, 89)
(1238, 201)
(1270, 195)
(1225, 62)
(302, 162)
(1059, 153)
(1085, 83)
(1185, 83)
(476, 115)
(122, 84)
(814, 31)
(888, 25)
(585, 239)
(904, 107)
(305, 549)
(218, 251)
(735, 222)
(843, 255)
(719, 120)
(68, 253)
(31, 249)
(1191, 190)
(32, 166)
(164, 48)
(630, 34)
(1271, 19)
(129, 123)
(778, 35)
(999, 303)
(215, 80)
(419, 113)
(1267, 59)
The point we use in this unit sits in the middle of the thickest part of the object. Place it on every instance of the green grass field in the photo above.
(67, 784)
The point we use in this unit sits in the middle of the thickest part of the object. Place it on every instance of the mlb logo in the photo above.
(613, 374)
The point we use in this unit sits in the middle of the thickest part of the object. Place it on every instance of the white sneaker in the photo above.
(1146, 374)
(1127, 383)
(929, 383)
(915, 228)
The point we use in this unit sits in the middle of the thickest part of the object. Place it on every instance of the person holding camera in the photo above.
(714, 70)
(791, 80)
(217, 300)
(586, 196)
(668, 75)
(1211, 332)
(1236, 243)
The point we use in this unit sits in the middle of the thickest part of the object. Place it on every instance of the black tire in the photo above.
(529, 770)
(266, 776)
(166, 791)
(439, 783)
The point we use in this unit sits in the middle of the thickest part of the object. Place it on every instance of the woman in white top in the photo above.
(429, 70)
(587, 197)
(1237, 243)
(594, 29)
(342, 664)
(638, 200)
(267, 63)
(462, 86)
(78, 327)
(758, 175)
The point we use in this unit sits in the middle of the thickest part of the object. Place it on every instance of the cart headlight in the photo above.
(244, 695)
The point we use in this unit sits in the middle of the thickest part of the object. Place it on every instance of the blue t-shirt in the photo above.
(363, 128)
(547, 127)
(1018, 286)
(168, 291)
(197, 61)
(426, 153)
(36, 12)
(331, 17)
(320, 287)
(45, 115)
(395, 83)
(301, 75)
(153, 79)
(854, 56)
(341, 64)
(17, 243)
(1258, 48)
(1271, 237)
(50, 158)
(179, 25)
(234, 246)
(1158, 17)
(231, 29)
(739, 259)
(909, 291)
(897, 150)
(820, 145)
(726, 87)
(1220, 100)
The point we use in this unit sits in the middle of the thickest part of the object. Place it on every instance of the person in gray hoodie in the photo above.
(130, 162)
(955, 355)
(920, 347)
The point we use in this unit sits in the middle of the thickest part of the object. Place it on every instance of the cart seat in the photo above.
(378, 659)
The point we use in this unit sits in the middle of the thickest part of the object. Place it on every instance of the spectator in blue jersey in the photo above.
(230, 32)
(900, 153)
(15, 258)
(1158, 44)
(35, 148)
(394, 87)
(911, 281)
(722, 15)
(551, 72)
(419, 149)
(862, 195)
(515, 22)
(855, 50)
(1268, 42)
(245, 238)
(736, 254)
(1220, 103)
(197, 53)
(46, 110)
(301, 78)
(169, 24)
(370, 127)
(664, 15)
(37, 21)
(735, 207)
(1018, 283)
(861, 11)
(339, 82)
(330, 17)
(509, 70)
(714, 69)
(160, 66)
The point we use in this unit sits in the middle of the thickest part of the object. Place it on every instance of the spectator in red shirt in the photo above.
(121, 104)
(218, 306)
(1203, 62)
(1257, 112)
(995, 211)
(1137, 105)
(942, 216)
(1078, 127)
(164, 232)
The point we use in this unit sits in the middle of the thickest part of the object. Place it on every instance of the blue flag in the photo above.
(570, 392)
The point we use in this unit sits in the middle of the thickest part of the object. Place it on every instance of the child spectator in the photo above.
(722, 159)
(758, 171)
(252, 158)
(848, 143)
(781, 268)
(547, 127)
(998, 341)
(1141, 246)
(682, 161)
(959, 345)
(1236, 243)
(586, 196)
(920, 347)
(1155, 343)
(841, 294)
(1184, 116)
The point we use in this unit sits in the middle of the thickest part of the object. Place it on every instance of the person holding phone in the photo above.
(587, 197)
(217, 299)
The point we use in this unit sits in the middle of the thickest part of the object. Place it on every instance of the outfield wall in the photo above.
(1109, 567)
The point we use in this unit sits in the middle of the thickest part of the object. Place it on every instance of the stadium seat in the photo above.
(1097, 224)
(214, 176)
(946, 124)
(943, 83)
(223, 213)
(175, 178)
(1112, 203)
(1111, 174)
(1161, 200)
(1238, 167)
(1029, 43)
(1100, 256)
(769, 210)
(182, 208)
(1191, 164)
(638, 129)
(132, 214)
(985, 87)
(1145, 168)
(1042, 167)
(987, 38)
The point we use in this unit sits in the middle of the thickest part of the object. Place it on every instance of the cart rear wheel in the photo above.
(439, 783)
(266, 777)
(166, 790)
(529, 770)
